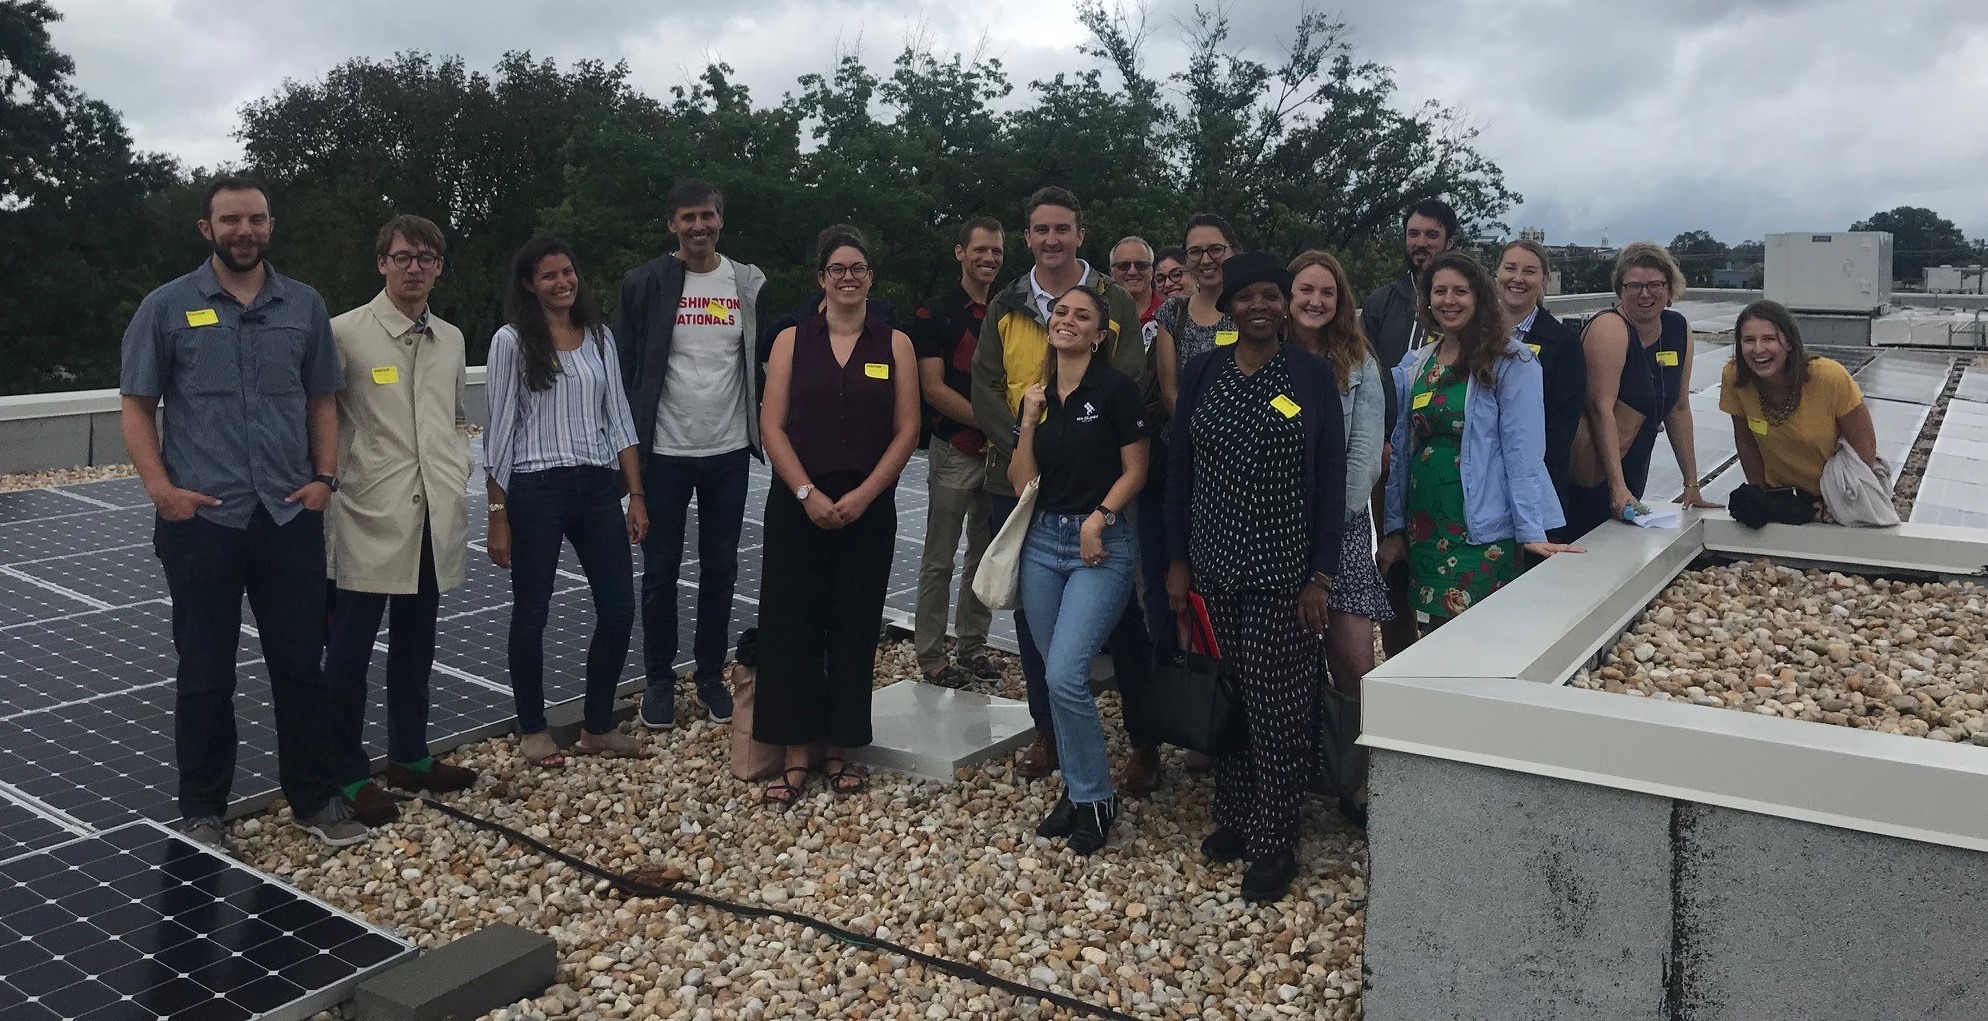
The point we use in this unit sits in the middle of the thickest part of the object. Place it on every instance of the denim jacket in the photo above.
(1363, 410)
(1506, 491)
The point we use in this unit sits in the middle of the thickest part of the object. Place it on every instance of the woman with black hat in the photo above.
(1256, 493)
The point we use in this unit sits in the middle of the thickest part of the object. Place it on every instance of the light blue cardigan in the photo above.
(1506, 491)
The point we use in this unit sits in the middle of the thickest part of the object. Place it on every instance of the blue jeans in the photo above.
(582, 504)
(719, 484)
(1075, 606)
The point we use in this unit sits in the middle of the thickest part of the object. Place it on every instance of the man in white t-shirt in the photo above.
(687, 330)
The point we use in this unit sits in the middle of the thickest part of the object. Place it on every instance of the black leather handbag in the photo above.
(1193, 702)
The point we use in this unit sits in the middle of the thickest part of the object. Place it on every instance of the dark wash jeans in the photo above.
(1131, 654)
(581, 504)
(348, 656)
(719, 484)
(281, 569)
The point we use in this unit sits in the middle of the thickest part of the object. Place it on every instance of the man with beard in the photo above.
(1429, 228)
(397, 542)
(687, 331)
(944, 332)
(240, 468)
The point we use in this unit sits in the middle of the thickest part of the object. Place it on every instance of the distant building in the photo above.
(1535, 234)
(1734, 278)
(1954, 279)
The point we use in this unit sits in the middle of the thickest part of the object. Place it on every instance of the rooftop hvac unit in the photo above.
(1845, 271)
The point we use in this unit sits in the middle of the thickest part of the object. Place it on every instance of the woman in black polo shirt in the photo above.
(1083, 437)
(1256, 501)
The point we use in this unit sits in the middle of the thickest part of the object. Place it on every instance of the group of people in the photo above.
(1201, 424)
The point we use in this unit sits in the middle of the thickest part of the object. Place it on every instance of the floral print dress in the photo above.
(1447, 574)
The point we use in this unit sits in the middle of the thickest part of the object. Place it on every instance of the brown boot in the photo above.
(1040, 759)
(1141, 773)
(1199, 763)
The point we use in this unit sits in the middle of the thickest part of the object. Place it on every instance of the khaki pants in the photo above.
(957, 502)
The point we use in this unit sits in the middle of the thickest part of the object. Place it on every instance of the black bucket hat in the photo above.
(1246, 268)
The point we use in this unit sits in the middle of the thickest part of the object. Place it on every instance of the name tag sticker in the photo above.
(1421, 400)
(718, 312)
(876, 370)
(1288, 407)
(386, 374)
(1223, 338)
(1757, 426)
(202, 317)
(1534, 348)
(1667, 358)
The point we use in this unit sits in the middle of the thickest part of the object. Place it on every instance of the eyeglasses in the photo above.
(1172, 276)
(428, 260)
(854, 272)
(1210, 252)
(1650, 287)
(1131, 266)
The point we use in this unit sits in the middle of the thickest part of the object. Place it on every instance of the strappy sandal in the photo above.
(841, 779)
(540, 750)
(612, 745)
(782, 793)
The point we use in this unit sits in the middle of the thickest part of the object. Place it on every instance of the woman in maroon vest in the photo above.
(840, 419)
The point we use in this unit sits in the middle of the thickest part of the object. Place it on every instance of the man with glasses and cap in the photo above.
(397, 529)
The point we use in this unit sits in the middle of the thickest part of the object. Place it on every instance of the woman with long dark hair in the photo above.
(1469, 399)
(1083, 440)
(1325, 321)
(839, 422)
(558, 455)
(1256, 501)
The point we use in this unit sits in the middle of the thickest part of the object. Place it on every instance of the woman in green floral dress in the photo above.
(1472, 432)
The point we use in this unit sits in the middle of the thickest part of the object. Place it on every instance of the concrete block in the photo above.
(932, 731)
(107, 439)
(1496, 894)
(489, 968)
(1802, 922)
(38, 444)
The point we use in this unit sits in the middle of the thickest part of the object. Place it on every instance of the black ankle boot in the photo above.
(1093, 825)
(1269, 879)
(1060, 819)
(1223, 845)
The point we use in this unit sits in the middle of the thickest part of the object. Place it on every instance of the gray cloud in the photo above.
(1736, 116)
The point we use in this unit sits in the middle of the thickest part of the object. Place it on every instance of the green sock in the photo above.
(425, 765)
(352, 789)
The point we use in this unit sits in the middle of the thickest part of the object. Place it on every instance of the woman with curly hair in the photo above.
(1470, 435)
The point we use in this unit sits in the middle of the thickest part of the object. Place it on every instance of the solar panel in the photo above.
(140, 924)
(1909, 376)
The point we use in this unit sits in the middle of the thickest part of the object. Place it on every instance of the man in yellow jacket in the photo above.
(1013, 350)
(398, 526)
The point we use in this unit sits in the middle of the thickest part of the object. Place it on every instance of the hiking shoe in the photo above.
(980, 666)
(205, 829)
(949, 676)
(373, 806)
(333, 824)
(439, 777)
(716, 697)
(658, 707)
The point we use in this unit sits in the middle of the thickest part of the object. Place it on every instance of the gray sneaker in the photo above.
(205, 829)
(333, 824)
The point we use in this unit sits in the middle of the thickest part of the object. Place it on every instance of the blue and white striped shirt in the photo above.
(581, 419)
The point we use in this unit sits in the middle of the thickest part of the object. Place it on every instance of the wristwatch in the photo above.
(802, 493)
(330, 481)
(1110, 516)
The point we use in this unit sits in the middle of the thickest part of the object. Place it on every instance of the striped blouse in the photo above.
(581, 419)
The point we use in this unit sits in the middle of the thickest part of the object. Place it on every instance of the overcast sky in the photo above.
(1741, 117)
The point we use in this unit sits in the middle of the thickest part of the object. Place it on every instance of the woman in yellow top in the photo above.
(1790, 407)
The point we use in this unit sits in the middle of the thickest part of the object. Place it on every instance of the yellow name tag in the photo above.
(1667, 358)
(1534, 348)
(1286, 405)
(202, 317)
(385, 374)
(1223, 338)
(876, 370)
(1758, 426)
(718, 311)
(1421, 400)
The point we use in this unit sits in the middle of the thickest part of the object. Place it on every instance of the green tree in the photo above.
(1698, 253)
(1919, 238)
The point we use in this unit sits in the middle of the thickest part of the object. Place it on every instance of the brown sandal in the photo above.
(540, 750)
(781, 792)
(612, 745)
(841, 779)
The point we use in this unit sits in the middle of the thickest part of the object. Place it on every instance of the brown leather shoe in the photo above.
(373, 806)
(1141, 773)
(1040, 759)
(440, 777)
(1199, 763)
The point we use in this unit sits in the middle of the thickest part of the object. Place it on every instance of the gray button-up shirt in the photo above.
(234, 382)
